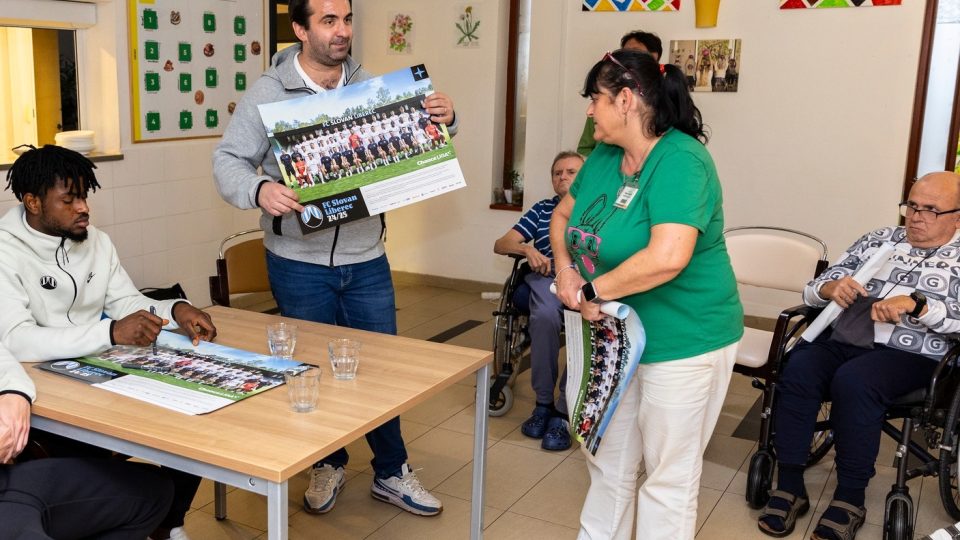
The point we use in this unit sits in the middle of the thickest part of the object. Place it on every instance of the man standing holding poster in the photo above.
(335, 276)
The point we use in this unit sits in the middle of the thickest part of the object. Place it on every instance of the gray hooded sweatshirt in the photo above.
(245, 147)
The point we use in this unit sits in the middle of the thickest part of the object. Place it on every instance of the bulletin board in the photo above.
(189, 64)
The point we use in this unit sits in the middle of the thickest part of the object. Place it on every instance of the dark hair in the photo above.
(650, 40)
(300, 12)
(39, 169)
(564, 155)
(665, 92)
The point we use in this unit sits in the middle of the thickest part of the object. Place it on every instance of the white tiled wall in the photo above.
(161, 209)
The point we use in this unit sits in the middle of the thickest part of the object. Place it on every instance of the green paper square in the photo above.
(151, 81)
(211, 118)
(240, 81)
(209, 22)
(185, 52)
(151, 51)
(239, 52)
(153, 121)
(150, 20)
(186, 82)
(186, 120)
(239, 26)
(210, 77)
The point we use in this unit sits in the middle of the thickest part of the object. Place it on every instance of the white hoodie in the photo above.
(58, 298)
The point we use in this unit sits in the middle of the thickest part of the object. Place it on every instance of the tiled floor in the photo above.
(530, 493)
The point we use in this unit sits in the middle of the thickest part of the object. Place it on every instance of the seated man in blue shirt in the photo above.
(530, 237)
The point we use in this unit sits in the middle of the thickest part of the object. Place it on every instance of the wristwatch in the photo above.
(589, 294)
(921, 301)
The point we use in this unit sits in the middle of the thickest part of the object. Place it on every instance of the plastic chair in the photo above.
(241, 267)
(773, 258)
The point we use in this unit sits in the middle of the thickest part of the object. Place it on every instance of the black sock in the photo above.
(548, 406)
(790, 479)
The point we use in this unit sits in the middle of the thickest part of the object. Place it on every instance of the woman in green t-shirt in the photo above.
(643, 224)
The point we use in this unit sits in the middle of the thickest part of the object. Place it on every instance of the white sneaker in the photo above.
(404, 490)
(178, 533)
(326, 482)
(950, 532)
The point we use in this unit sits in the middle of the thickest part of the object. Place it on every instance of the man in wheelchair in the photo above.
(885, 344)
(530, 237)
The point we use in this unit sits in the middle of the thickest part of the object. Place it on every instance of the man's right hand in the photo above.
(843, 291)
(14, 425)
(277, 199)
(538, 263)
(140, 328)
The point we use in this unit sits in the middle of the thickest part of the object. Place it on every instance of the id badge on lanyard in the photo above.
(627, 192)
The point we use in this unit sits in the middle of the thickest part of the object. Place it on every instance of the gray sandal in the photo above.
(798, 507)
(842, 531)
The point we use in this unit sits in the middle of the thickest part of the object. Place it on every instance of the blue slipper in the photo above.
(536, 425)
(557, 436)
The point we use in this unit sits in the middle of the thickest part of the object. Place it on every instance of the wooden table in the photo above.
(258, 444)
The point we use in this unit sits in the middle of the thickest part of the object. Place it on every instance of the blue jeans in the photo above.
(352, 295)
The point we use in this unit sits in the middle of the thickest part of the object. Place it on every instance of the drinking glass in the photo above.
(303, 388)
(282, 339)
(344, 358)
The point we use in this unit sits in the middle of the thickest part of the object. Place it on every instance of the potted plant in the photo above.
(516, 184)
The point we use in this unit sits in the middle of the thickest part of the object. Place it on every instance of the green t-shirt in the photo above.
(699, 310)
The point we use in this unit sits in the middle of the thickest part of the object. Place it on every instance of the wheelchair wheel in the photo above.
(949, 491)
(823, 439)
(759, 479)
(898, 518)
(501, 404)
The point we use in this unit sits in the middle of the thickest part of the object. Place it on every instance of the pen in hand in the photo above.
(153, 311)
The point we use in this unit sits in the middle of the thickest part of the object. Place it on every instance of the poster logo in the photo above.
(312, 216)
(48, 283)
(419, 72)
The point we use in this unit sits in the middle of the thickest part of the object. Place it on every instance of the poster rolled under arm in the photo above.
(863, 275)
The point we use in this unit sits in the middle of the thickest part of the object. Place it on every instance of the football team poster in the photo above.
(362, 149)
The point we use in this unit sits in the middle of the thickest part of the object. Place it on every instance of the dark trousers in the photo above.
(74, 498)
(353, 295)
(861, 383)
(184, 484)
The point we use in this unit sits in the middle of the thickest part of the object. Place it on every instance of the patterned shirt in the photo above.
(934, 271)
(535, 225)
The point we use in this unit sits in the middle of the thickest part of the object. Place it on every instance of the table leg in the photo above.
(277, 511)
(479, 452)
(220, 501)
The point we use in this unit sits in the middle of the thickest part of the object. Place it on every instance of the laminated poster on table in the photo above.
(861, 276)
(362, 149)
(187, 378)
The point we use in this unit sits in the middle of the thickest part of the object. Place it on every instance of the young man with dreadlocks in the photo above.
(59, 276)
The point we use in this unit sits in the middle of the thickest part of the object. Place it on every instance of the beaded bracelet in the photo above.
(556, 277)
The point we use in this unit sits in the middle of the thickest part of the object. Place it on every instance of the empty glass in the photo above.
(303, 388)
(282, 339)
(344, 358)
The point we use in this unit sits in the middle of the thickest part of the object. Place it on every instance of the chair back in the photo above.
(775, 257)
(241, 267)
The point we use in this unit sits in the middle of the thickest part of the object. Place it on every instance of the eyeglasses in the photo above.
(907, 210)
(633, 76)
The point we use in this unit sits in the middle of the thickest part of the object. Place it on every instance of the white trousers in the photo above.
(665, 417)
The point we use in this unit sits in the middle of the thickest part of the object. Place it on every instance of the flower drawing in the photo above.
(468, 28)
(399, 28)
